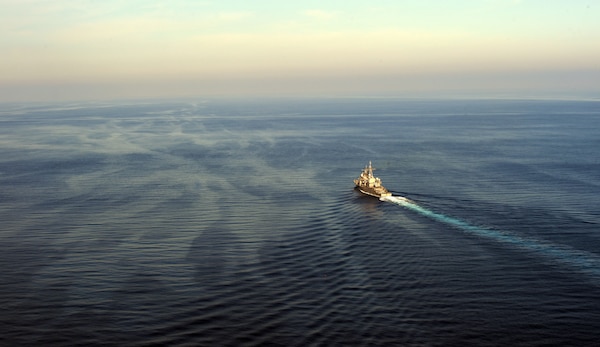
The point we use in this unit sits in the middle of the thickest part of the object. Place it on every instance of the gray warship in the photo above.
(368, 184)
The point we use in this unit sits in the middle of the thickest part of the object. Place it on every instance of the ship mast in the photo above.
(370, 168)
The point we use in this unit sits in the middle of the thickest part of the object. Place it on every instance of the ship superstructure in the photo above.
(368, 184)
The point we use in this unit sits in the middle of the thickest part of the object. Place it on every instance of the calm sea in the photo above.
(235, 223)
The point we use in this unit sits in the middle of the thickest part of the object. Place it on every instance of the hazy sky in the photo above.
(58, 49)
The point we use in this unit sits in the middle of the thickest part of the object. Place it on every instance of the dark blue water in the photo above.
(235, 223)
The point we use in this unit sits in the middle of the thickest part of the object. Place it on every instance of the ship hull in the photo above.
(372, 192)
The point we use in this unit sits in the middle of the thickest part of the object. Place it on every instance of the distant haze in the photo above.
(59, 50)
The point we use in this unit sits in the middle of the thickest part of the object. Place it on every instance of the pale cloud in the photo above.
(234, 16)
(318, 14)
(515, 2)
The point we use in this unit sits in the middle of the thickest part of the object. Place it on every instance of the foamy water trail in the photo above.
(582, 261)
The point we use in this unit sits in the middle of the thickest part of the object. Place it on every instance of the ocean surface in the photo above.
(236, 223)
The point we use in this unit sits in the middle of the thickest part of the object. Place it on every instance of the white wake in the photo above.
(585, 262)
